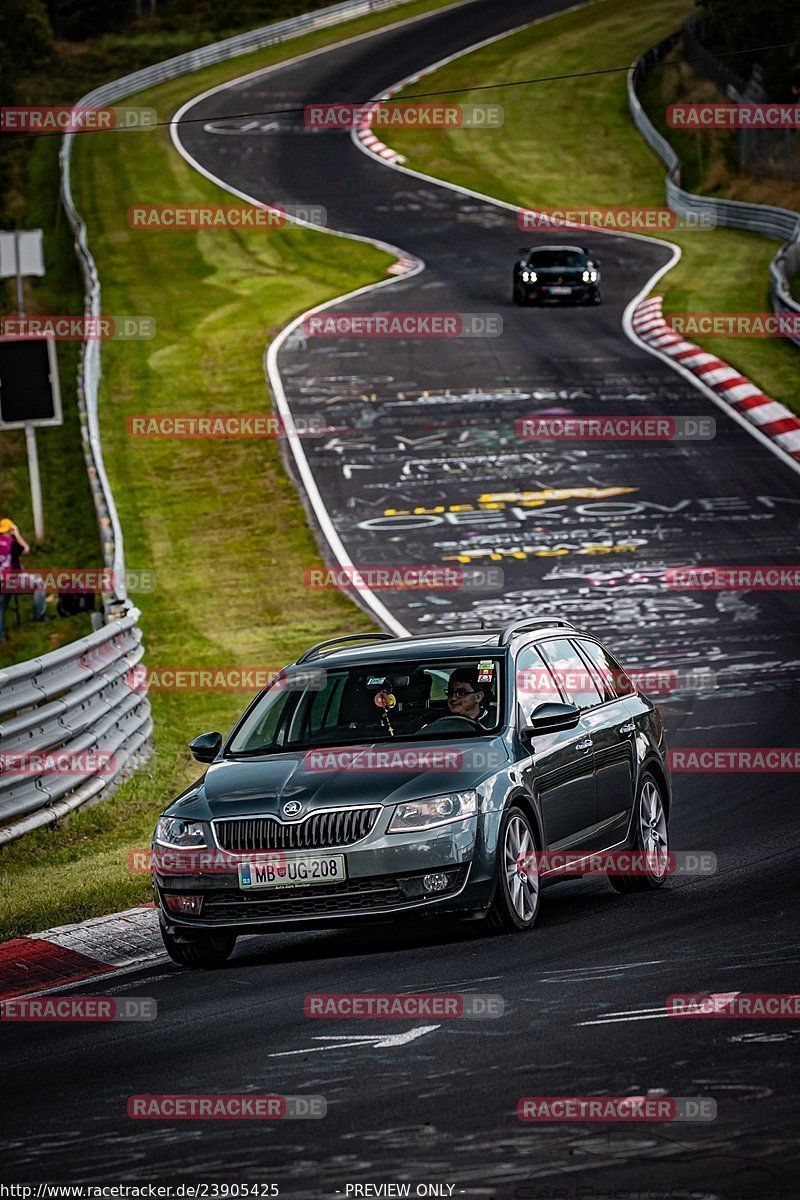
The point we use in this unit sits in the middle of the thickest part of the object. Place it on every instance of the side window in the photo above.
(326, 703)
(266, 728)
(602, 672)
(316, 708)
(535, 682)
(624, 684)
(572, 673)
(619, 680)
(439, 680)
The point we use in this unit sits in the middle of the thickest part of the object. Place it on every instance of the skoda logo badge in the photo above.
(292, 808)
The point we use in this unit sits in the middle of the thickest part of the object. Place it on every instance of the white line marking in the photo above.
(721, 999)
(379, 1041)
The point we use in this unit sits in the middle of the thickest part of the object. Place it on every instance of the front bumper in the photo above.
(543, 293)
(384, 879)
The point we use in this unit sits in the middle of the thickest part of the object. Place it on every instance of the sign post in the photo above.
(25, 249)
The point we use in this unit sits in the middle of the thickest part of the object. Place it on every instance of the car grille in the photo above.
(351, 896)
(318, 831)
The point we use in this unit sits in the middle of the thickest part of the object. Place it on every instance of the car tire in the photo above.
(651, 838)
(517, 296)
(515, 906)
(597, 299)
(209, 950)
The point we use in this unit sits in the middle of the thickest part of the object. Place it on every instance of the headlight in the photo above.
(529, 277)
(171, 831)
(585, 277)
(425, 814)
(593, 276)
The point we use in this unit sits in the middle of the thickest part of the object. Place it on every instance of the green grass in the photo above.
(219, 522)
(572, 143)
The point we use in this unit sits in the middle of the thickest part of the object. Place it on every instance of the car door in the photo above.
(560, 768)
(612, 731)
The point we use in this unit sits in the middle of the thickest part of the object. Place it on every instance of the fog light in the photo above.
(434, 883)
(181, 903)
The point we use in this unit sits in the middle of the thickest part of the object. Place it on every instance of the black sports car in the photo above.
(555, 274)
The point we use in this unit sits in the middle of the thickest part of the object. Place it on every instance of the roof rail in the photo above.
(316, 651)
(531, 623)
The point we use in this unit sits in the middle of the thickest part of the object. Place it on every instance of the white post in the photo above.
(36, 484)
(30, 431)
(18, 264)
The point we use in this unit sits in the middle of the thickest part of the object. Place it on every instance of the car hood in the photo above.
(333, 776)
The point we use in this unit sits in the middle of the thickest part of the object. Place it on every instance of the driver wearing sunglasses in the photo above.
(466, 697)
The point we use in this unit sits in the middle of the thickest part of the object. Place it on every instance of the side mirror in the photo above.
(552, 718)
(206, 747)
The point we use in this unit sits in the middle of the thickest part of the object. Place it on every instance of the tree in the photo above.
(742, 24)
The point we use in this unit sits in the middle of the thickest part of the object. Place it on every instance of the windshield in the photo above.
(557, 258)
(328, 706)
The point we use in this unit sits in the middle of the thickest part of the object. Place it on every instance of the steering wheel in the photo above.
(452, 724)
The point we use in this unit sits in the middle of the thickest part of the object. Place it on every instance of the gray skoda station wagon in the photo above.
(380, 776)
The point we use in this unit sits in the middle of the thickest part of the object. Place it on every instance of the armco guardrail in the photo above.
(89, 370)
(71, 723)
(733, 214)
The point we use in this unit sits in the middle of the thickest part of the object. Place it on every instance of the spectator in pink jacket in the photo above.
(12, 580)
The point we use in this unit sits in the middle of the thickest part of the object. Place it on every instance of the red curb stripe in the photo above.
(30, 964)
(650, 331)
(783, 425)
(668, 338)
(716, 364)
(725, 384)
(752, 401)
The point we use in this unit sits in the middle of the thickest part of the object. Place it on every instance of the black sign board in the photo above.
(29, 392)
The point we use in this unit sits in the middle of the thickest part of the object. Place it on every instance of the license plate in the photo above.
(293, 872)
(561, 291)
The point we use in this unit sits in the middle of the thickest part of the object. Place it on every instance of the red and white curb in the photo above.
(772, 419)
(364, 128)
(373, 145)
(70, 953)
